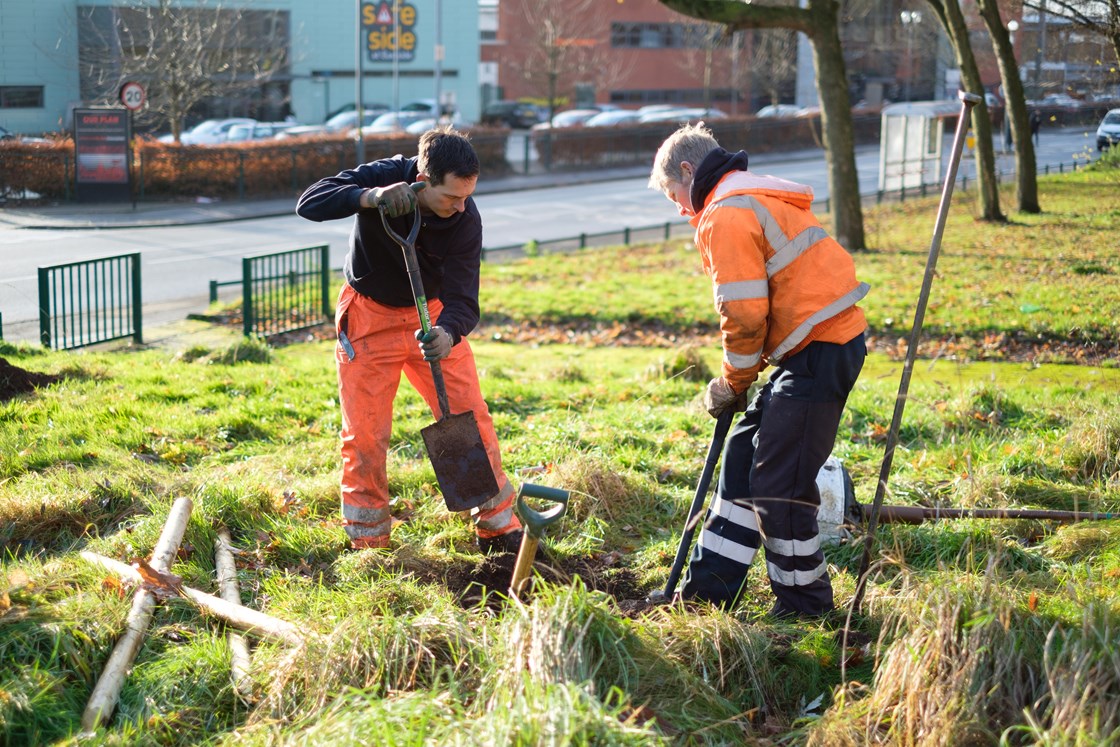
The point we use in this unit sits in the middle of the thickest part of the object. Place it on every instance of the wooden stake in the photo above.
(108, 689)
(243, 618)
(227, 583)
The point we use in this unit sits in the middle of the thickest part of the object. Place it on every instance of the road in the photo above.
(179, 262)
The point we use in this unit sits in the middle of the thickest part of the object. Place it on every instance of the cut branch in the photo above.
(227, 583)
(108, 688)
(243, 618)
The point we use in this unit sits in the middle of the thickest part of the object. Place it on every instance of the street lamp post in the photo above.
(910, 19)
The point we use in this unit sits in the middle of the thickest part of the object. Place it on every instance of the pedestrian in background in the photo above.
(1036, 125)
(378, 325)
(786, 293)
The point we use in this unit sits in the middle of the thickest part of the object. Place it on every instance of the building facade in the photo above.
(428, 50)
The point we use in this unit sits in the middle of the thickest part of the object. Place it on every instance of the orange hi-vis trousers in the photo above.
(383, 341)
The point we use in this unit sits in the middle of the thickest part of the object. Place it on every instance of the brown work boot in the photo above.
(508, 542)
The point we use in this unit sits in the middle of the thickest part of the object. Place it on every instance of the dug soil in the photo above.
(15, 381)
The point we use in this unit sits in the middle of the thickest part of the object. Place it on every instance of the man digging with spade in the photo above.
(786, 293)
(378, 324)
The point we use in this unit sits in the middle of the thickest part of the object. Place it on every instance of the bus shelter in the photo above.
(910, 143)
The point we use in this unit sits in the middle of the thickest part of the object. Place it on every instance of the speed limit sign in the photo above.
(133, 95)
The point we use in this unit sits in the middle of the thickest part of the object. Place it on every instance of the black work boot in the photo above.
(508, 542)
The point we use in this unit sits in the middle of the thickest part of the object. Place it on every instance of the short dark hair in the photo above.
(444, 151)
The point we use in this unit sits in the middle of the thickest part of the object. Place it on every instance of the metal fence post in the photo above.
(247, 320)
(325, 278)
(44, 307)
(137, 303)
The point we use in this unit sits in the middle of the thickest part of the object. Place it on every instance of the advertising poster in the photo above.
(390, 30)
(101, 148)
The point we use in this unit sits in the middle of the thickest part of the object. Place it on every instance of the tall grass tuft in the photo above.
(1081, 700)
(955, 667)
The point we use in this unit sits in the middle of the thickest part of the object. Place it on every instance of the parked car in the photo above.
(1108, 132)
(208, 132)
(6, 134)
(569, 118)
(1063, 100)
(396, 121)
(257, 131)
(613, 117)
(302, 130)
(684, 114)
(778, 110)
(348, 120)
(513, 114)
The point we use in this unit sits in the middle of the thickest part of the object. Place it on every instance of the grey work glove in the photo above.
(436, 345)
(399, 199)
(720, 397)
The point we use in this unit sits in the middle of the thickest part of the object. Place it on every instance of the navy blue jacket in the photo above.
(448, 250)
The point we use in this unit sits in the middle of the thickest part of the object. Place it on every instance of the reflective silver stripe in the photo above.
(742, 180)
(741, 290)
(735, 513)
(498, 521)
(364, 515)
(726, 548)
(796, 578)
(737, 360)
(793, 548)
(504, 493)
(802, 331)
(773, 232)
(793, 249)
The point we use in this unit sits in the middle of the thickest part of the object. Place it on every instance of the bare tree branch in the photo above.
(182, 55)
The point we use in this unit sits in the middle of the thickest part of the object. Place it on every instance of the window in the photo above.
(664, 36)
(21, 97)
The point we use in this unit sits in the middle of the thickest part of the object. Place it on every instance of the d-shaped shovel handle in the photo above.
(535, 523)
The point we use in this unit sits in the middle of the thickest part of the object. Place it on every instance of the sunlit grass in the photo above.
(972, 630)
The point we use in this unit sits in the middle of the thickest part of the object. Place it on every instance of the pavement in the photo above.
(73, 215)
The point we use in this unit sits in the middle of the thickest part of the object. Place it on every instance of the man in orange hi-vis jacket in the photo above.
(376, 320)
(786, 293)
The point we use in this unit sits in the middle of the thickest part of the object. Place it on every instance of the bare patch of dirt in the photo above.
(1016, 348)
(15, 381)
(489, 578)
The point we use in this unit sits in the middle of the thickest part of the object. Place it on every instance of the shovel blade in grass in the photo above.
(459, 459)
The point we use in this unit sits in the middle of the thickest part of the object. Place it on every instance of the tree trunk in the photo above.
(819, 21)
(836, 125)
(949, 11)
(1015, 109)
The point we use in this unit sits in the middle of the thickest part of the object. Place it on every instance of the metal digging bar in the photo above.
(723, 424)
(968, 100)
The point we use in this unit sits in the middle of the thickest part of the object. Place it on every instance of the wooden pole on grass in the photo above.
(227, 583)
(108, 689)
(238, 616)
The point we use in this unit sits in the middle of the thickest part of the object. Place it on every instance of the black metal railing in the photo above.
(285, 291)
(84, 303)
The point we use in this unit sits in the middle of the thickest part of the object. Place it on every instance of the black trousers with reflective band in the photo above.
(767, 494)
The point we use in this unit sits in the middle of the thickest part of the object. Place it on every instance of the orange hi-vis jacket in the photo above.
(778, 279)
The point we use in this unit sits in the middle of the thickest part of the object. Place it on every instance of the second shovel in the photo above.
(454, 444)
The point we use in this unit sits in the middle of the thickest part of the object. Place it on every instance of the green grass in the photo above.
(972, 631)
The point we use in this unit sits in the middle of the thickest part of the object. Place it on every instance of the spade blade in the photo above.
(459, 459)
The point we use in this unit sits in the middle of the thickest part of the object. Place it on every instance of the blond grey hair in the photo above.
(689, 143)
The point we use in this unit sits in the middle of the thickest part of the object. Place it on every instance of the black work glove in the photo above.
(399, 199)
(436, 345)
